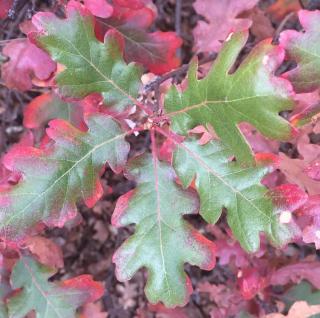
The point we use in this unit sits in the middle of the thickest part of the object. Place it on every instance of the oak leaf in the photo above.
(25, 58)
(49, 106)
(91, 66)
(251, 207)
(49, 299)
(225, 100)
(156, 206)
(155, 50)
(47, 252)
(65, 174)
(304, 49)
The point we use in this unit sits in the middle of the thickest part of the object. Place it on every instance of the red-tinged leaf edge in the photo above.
(126, 213)
(287, 197)
(302, 80)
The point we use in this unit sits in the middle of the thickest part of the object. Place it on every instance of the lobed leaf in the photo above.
(91, 66)
(163, 240)
(54, 300)
(56, 178)
(252, 94)
(304, 49)
(251, 207)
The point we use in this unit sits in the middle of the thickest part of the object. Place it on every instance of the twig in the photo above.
(107, 299)
(3, 123)
(17, 5)
(178, 24)
(301, 4)
(265, 306)
(281, 26)
(173, 74)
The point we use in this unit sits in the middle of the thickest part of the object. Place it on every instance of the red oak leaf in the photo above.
(5, 6)
(228, 299)
(99, 8)
(25, 58)
(221, 17)
(294, 168)
(49, 106)
(155, 50)
(311, 233)
(47, 252)
(297, 272)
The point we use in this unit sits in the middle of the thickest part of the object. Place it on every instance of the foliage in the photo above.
(90, 66)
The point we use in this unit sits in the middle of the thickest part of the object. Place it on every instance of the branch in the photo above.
(16, 7)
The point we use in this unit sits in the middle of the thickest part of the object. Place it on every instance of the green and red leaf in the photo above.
(304, 49)
(252, 94)
(91, 66)
(155, 50)
(55, 179)
(49, 299)
(163, 240)
(49, 106)
(251, 207)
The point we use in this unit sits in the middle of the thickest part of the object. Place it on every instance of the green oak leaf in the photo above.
(54, 178)
(91, 66)
(251, 207)
(304, 49)
(49, 300)
(252, 94)
(163, 240)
